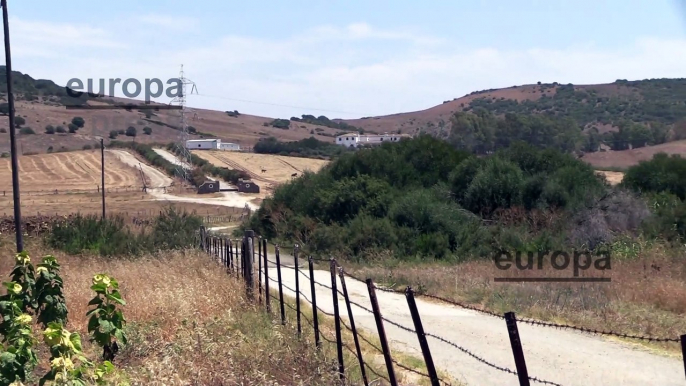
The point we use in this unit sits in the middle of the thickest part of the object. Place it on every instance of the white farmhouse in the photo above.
(357, 139)
(211, 144)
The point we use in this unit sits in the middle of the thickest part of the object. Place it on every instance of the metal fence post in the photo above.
(358, 350)
(315, 318)
(239, 263)
(249, 252)
(382, 333)
(259, 268)
(278, 275)
(267, 297)
(230, 256)
(337, 320)
(516, 344)
(227, 250)
(683, 350)
(431, 369)
(296, 248)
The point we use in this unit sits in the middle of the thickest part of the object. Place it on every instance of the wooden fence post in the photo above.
(278, 274)
(239, 262)
(358, 350)
(315, 311)
(337, 320)
(431, 369)
(516, 344)
(382, 333)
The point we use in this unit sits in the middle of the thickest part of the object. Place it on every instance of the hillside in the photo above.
(41, 103)
(624, 113)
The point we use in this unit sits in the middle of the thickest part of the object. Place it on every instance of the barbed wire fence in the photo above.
(241, 262)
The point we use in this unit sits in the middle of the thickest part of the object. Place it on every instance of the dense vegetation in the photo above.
(644, 111)
(423, 198)
(112, 236)
(309, 147)
(324, 121)
(27, 88)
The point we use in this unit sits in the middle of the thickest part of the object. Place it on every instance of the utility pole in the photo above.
(13, 140)
(102, 174)
(185, 155)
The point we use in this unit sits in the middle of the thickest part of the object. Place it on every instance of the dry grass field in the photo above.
(279, 169)
(613, 178)
(625, 158)
(69, 171)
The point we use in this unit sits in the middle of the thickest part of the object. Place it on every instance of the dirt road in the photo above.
(169, 156)
(158, 180)
(560, 356)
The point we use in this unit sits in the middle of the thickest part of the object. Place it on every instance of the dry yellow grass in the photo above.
(613, 178)
(188, 324)
(278, 168)
(70, 171)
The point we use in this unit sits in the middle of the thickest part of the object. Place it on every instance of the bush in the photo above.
(113, 134)
(18, 121)
(72, 128)
(111, 236)
(284, 124)
(662, 173)
(497, 185)
(26, 131)
(131, 131)
(3, 130)
(87, 147)
(78, 122)
(147, 130)
(5, 155)
(49, 129)
(60, 129)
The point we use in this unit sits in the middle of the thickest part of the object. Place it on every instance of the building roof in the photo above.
(348, 135)
(203, 140)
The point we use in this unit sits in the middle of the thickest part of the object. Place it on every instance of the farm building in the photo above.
(247, 186)
(357, 139)
(229, 146)
(208, 187)
(211, 144)
(203, 144)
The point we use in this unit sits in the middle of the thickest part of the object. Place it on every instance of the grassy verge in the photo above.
(188, 324)
(646, 295)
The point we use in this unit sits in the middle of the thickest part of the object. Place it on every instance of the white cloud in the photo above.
(355, 68)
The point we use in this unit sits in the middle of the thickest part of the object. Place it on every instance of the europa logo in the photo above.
(131, 88)
(570, 263)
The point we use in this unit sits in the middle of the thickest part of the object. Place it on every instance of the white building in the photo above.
(229, 146)
(203, 144)
(357, 139)
(211, 144)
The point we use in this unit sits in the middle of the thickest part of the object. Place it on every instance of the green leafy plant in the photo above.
(17, 357)
(49, 292)
(106, 321)
(68, 364)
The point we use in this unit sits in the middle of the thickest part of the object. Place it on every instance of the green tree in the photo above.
(131, 131)
(49, 129)
(26, 131)
(60, 129)
(147, 130)
(72, 128)
(18, 121)
(113, 134)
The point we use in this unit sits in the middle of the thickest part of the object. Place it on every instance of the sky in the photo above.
(347, 59)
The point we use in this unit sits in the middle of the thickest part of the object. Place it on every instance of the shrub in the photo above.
(131, 131)
(147, 130)
(49, 129)
(87, 147)
(78, 122)
(18, 121)
(3, 130)
(26, 131)
(284, 124)
(662, 173)
(113, 134)
(60, 129)
(72, 128)
(5, 155)
(497, 185)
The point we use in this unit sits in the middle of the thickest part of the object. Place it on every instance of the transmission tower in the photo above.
(185, 155)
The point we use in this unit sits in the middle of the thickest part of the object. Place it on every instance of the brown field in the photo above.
(626, 158)
(245, 130)
(72, 171)
(278, 168)
(126, 203)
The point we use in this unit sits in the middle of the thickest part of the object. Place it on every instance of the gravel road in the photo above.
(560, 356)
